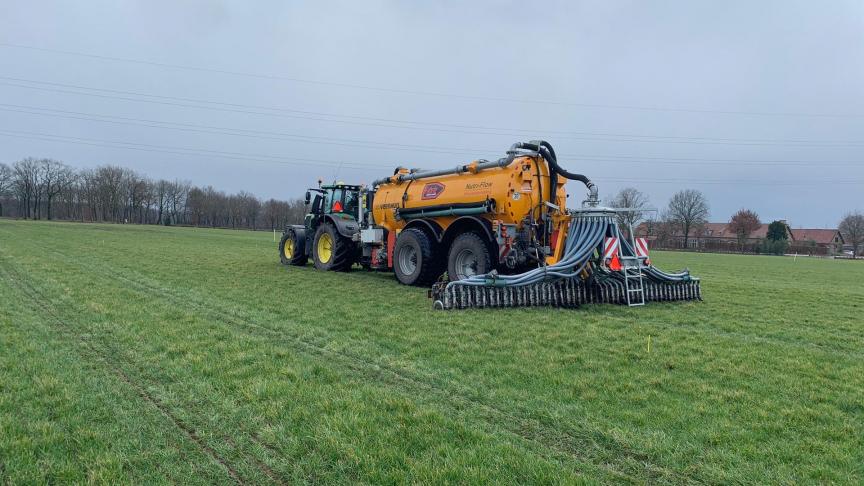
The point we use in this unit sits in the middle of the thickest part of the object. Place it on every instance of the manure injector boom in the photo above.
(484, 234)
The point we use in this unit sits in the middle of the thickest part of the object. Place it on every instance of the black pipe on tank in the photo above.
(545, 149)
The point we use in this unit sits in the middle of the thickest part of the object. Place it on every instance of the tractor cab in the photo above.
(339, 203)
(343, 199)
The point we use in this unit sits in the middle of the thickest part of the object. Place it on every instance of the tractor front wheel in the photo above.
(331, 251)
(291, 251)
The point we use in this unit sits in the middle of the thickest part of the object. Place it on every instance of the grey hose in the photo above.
(584, 236)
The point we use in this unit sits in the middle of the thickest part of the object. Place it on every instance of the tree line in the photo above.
(49, 189)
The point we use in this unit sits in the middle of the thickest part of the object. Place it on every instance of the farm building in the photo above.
(720, 237)
(830, 240)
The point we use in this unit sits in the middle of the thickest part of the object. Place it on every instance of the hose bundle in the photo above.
(577, 278)
(585, 235)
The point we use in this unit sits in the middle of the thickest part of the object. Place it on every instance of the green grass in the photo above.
(136, 354)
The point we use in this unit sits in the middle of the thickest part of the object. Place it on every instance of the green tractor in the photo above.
(328, 231)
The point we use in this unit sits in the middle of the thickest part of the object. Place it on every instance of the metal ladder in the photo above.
(633, 284)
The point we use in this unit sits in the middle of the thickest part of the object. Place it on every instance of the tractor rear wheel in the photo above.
(469, 256)
(414, 258)
(291, 251)
(332, 251)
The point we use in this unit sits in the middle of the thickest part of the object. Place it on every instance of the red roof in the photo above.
(722, 230)
(821, 236)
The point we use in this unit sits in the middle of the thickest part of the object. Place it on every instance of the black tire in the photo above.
(468, 250)
(415, 261)
(342, 250)
(297, 256)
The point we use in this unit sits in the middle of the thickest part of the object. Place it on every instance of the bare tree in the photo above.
(176, 199)
(26, 186)
(70, 198)
(852, 229)
(86, 195)
(253, 210)
(687, 209)
(111, 182)
(196, 206)
(6, 180)
(630, 197)
(161, 190)
(235, 209)
(272, 212)
(296, 211)
(55, 177)
(744, 223)
(280, 214)
(150, 202)
(214, 206)
(137, 197)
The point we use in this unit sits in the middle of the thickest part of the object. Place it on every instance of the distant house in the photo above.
(719, 237)
(707, 237)
(830, 240)
(722, 232)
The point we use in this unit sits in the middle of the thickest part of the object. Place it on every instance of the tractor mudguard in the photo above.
(345, 225)
(299, 232)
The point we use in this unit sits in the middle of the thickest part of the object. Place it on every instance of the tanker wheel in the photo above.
(414, 258)
(331, 251)
(290, 250)
(469, 256)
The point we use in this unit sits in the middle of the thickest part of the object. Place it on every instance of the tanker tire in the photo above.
(342, 250)
(298, 258)
(414, 258)
(468, 249)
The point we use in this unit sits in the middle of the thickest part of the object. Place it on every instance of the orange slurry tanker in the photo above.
(487, 233)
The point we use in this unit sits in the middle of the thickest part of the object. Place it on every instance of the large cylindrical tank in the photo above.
(509, 194)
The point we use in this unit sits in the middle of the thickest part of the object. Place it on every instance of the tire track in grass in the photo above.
(573, 435)
(407, 390)
(251, 436)
(549, 436)
(102, 357)
(261, 465)
(834, 348)
(92, 352)
(840, 348)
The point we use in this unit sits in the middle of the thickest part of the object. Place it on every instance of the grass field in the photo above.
(136, 354)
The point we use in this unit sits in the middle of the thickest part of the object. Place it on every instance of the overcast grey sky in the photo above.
(757, 104)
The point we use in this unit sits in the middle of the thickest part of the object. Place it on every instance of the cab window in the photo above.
(336, 203)
(350, 202)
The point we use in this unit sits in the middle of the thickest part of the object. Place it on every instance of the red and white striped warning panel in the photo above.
(610, 254)
(610, 248)
(642, 248)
